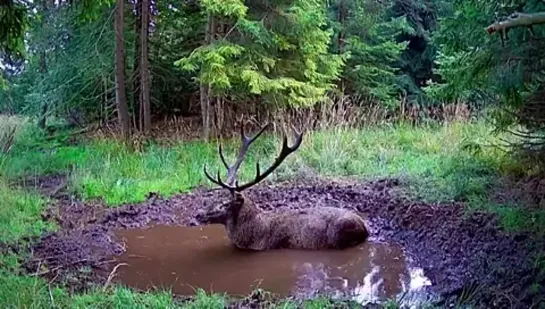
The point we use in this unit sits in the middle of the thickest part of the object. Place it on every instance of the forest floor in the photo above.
(455, 206)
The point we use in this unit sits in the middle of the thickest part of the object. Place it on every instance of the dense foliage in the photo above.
(204, 57)
(488, 70)
(289, 53)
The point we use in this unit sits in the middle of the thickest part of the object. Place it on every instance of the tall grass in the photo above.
(20, 210)
(20, 214)
(436, 161)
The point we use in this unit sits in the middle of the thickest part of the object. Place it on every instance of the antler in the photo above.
(246, 142)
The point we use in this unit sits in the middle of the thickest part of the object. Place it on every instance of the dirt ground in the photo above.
(464, 255)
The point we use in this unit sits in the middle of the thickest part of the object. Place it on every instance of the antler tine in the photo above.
(251, 140)
(217, 181)
(245, 144)
(232, 170)
(284, 153)
(220, 150)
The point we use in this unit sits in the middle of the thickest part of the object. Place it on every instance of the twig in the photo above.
(55, 268)
(526, 135)
(50, 292)
(507, 297)
(58, 189)
(139, 256)
(112, 274)
(102, 263)
(45, 272)
(78, 132)
(51, 297)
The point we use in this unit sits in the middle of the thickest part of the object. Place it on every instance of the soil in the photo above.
(466, 256)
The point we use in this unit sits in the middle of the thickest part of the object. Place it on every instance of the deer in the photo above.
(251, 228)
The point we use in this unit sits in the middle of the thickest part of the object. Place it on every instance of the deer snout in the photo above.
(211, 216)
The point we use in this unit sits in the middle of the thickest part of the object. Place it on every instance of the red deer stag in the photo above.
(249, 227)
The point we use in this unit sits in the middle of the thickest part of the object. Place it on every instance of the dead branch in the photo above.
(45, 272)
(516, 20)
(112, 274)
(58, 189)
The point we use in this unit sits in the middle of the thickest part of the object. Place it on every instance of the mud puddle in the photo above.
(183, 259)
(461, 253)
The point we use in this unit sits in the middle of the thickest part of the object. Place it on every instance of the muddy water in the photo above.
(186, 258)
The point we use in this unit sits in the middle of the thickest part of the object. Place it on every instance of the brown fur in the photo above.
(249, 227)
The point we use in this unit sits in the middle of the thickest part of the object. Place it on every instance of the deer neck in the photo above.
(242, 222)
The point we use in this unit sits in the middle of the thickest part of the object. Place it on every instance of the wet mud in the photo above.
(182, 259)
(461, 254)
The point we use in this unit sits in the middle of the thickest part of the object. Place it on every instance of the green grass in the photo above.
(29, 292)
(20, 214)
(434, 159)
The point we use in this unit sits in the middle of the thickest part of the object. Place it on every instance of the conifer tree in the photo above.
(275, 50)
(481, 67)
(366, 36)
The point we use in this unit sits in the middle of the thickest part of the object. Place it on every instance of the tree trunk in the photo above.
(144, 68)
(137, 94)
(342, 17)
(104, 102)
(43, 70)
(205, 104)
(219, 113)
(220, 30)
(120, 94)
(514, 21)
(205, 89)
(43, 67)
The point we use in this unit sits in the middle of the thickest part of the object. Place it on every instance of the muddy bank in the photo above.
(461, 254)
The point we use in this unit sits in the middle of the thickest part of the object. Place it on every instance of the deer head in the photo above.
(220, 213)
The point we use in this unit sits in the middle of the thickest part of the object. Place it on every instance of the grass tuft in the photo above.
(31, 292)
(434, 158)
(203, 300)
(20, 214)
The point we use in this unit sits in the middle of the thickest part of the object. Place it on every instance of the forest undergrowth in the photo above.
(435, 162)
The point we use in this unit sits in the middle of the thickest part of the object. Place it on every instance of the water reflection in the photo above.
(185, 258)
